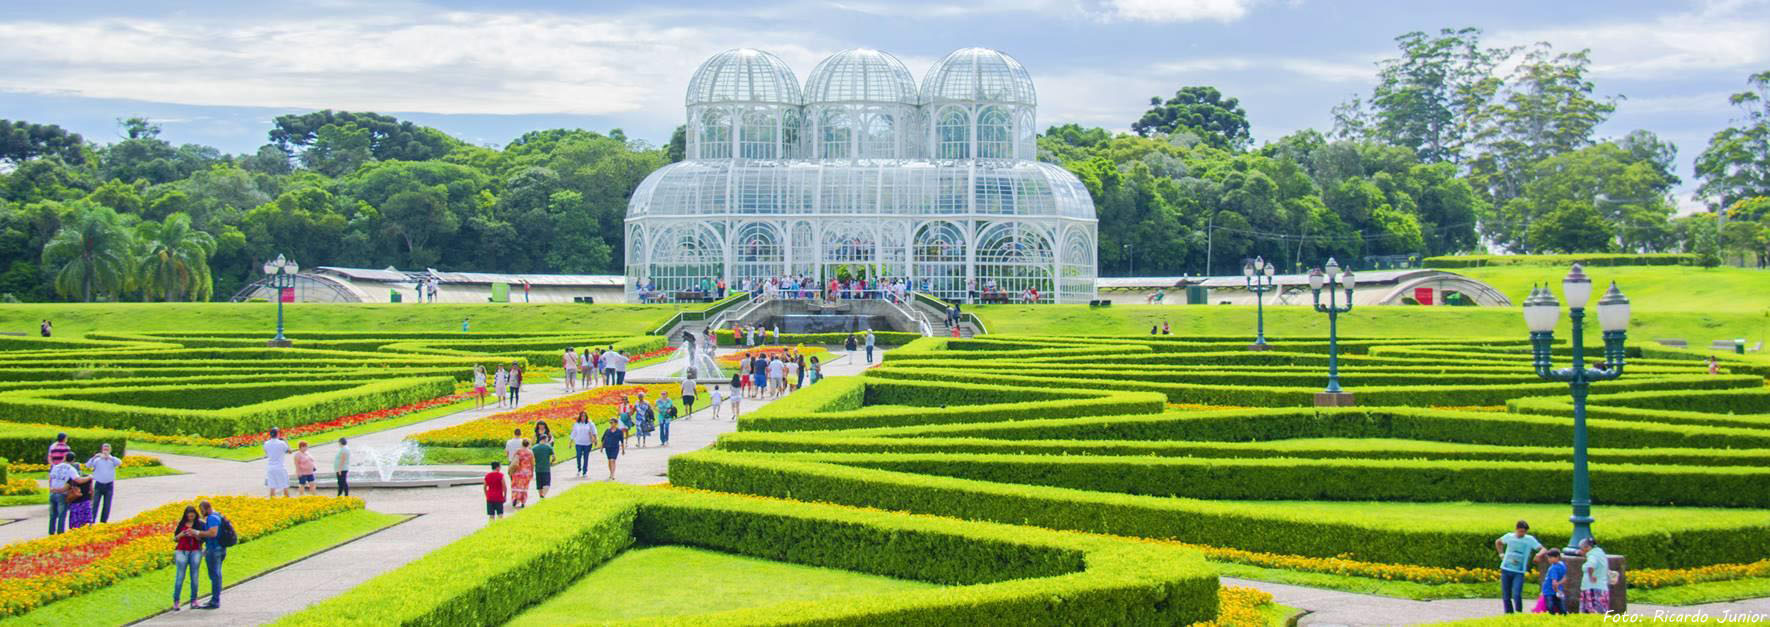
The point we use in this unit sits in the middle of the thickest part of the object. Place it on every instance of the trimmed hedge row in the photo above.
(1746, 407)
(1590, 259)
(29, 443)
(1335, 479)
(1443, 541)
(838, 406)
(880, 338)
(824, 442)
(77, 379)
(70, 407)
(1007, 575)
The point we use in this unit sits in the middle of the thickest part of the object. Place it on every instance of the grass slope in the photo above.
(635, 585)
(144, 596)
(1697, 327)
(1660, 288)
(73, 319)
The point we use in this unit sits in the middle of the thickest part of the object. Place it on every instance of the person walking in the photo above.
(79, 501)
(714, 398)
(1595, 579)
(869, 346)
(777, 377)
(494, 493)
(1516, 553)
(276, 475)
(516, 385)
(1554, 582)
(510, 446)
(583, 441)
(214, 551)
(61, 477)
(543, 452)
(687, 397)
(736, 400)
(47, 329)
(341, 467)
(522, 470)
(479, 386)
(1714, 366)
(646, 416)
(187, 553)
(620, 368)
(612, 441)
(571, 368)
(758, 376)
(850, 344)
(666, 413)
(499, 382)
(305, 469)
(817, 371)
(104, 480)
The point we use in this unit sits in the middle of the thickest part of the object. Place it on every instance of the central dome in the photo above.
(860, 75)
(978, 75)
(744, 75)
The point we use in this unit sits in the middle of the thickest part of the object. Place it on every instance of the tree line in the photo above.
(1446, 154)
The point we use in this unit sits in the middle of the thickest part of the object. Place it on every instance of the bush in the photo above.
(29, 443)
(1012, 575)
(832, 408)
(293, 404)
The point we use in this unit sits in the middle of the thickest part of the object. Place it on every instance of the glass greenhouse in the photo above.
(862, 173)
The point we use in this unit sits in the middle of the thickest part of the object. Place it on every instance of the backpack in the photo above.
(226, 536)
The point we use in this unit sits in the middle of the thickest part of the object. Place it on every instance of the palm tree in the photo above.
(175, 259)
(91, 251)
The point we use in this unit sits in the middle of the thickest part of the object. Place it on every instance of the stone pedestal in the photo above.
(1259, 347)
(279, 343)
(1619, 593)
(1333, 399)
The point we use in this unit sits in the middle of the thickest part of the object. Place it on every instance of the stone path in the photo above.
(1332, 607)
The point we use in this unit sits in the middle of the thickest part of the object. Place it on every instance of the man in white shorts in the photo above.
(276, 475)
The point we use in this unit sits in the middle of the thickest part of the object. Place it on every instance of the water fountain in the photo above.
(693, 356)
(398, 467)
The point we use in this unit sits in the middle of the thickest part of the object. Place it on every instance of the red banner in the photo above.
(1423, 295)
(288, 294)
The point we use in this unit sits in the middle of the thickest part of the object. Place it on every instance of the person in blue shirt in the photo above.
(1553, 593)
(1515, 551)
(213, 553)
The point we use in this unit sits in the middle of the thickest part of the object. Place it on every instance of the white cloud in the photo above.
(1168, 11)
(460, 62)
(1731, 35)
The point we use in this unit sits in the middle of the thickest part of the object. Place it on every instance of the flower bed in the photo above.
(255, 439)
(649, 357)
(129, 461)
(1239, 605)
(600, 403)
(731, 360)
(36, 572)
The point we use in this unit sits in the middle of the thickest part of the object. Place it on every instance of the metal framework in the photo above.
(865, 172)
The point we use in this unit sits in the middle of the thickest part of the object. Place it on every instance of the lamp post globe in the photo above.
(1259, 278)
(282, 277)
(1328, 277)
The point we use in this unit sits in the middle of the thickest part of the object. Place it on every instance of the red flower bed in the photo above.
(254, 439)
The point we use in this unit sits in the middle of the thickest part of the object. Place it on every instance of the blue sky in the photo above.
(215, 73)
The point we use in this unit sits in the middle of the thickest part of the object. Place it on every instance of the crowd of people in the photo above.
(76, 499)
(591, 367)
(1558, 593)
(771, 374)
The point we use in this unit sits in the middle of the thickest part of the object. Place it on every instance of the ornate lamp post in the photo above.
(1259, 277)
(282, 276)
(1540, 315)
(1332, 396)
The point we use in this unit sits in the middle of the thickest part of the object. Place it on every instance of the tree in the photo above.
(1545, 109)
(1736, 163)
(389, 138)
(1625, 185)
(22, 141)
(90, 254)
(1431, 99)
(175, 260)
(1201, 110)
(1570, 228)
(338, 149)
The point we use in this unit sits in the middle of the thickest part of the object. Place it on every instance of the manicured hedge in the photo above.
(1443, 540)
(1745, 407)
(29, 443)
(306, 403)
(1590, 259)
(880, 338)
(1002, 574)
(825, 413)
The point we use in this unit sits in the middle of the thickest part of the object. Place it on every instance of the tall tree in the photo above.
(90, 254)
(390, 139)
(1430, 99)
(22, 141)
(1547, 108)
(175, 260)
(1736, 164)
(1202, 111)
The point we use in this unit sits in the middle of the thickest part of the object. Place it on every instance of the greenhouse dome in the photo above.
(865, 174)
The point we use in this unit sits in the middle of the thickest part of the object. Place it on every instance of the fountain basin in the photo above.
(407, 478)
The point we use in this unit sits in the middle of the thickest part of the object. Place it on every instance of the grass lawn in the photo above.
(249, 453)
(1278, 615)
(147, 595)
(634, 585)
(1660, 288)
(40, 498)
(1649, 322)
(74, 319)
(1711, 592)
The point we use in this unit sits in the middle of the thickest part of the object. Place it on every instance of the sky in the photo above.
(215, 73)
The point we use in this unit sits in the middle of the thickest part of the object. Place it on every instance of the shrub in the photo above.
(29, 443)
(305, 403)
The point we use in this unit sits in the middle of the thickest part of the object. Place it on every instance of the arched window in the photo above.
(880, 140)
(835, 135)
(995, 134)
(790, 146)
(715, 135)
(757, 252)
(685, 254)
(761, 134)
(1013, 257)
(1077, 266)
(953, 134)
(939, 258)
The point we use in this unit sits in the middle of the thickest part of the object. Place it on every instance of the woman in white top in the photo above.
(571, 368)
(479, 386)
(498, 382)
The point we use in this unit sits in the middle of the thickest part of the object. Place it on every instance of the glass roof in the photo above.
(860, 75)
(978, 74)
(707, 188)
(744, 75)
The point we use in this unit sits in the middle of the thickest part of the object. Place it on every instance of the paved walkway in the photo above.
(1332, 607)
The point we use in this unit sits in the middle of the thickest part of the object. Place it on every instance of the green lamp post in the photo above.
(1331, 279)
(282, 276)
(1260, 280)
(1541, 312)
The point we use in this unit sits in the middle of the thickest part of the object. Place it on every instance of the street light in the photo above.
(1332, 396)
(1131, 252)
(1259, 277)
(282, 276)
(1540, 315)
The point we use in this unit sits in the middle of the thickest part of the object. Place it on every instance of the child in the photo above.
(717, 399)
(304, 470)
(1552, 582)
(735, 399)
(494, 490)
